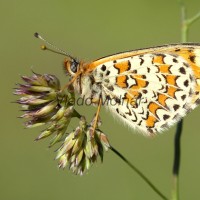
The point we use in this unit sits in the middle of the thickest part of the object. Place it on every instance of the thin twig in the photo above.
(184, 25)
(193, 19)
(177, 140)
(177, 159)
(177, 149)
(177, 137)
(139, 173)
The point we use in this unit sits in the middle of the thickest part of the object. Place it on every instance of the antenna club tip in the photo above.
(36, 35)
(43, 47)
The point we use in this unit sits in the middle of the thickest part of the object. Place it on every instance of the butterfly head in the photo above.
(71, 66)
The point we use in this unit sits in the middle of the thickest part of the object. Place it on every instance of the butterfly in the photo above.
(148, 89)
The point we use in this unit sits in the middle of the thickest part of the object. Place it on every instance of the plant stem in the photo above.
(177, 137)
(139, 173)
(185, 24)
(177, 157)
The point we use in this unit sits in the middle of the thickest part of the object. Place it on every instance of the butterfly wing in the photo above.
(151, 89)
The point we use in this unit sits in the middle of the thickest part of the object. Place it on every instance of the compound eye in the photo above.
(74, 67)
(71, 67)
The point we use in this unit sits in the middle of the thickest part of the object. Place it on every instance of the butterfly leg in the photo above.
(95, 120)
(71, 81)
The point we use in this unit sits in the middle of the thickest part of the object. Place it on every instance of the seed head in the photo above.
(79, 150)
(44, 103)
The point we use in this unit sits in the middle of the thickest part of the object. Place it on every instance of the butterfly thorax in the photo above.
(83, 80)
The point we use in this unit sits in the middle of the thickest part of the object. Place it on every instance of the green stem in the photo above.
(153, 187)
(177, 140)
(177, 157)
(193, 19)
(184, 27)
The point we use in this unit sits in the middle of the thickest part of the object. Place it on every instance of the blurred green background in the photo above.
(88, 30)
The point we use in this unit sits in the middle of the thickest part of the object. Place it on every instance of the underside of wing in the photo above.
(184, 48)
(152, 91)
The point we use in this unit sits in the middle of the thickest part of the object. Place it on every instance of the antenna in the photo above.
(59, 51)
